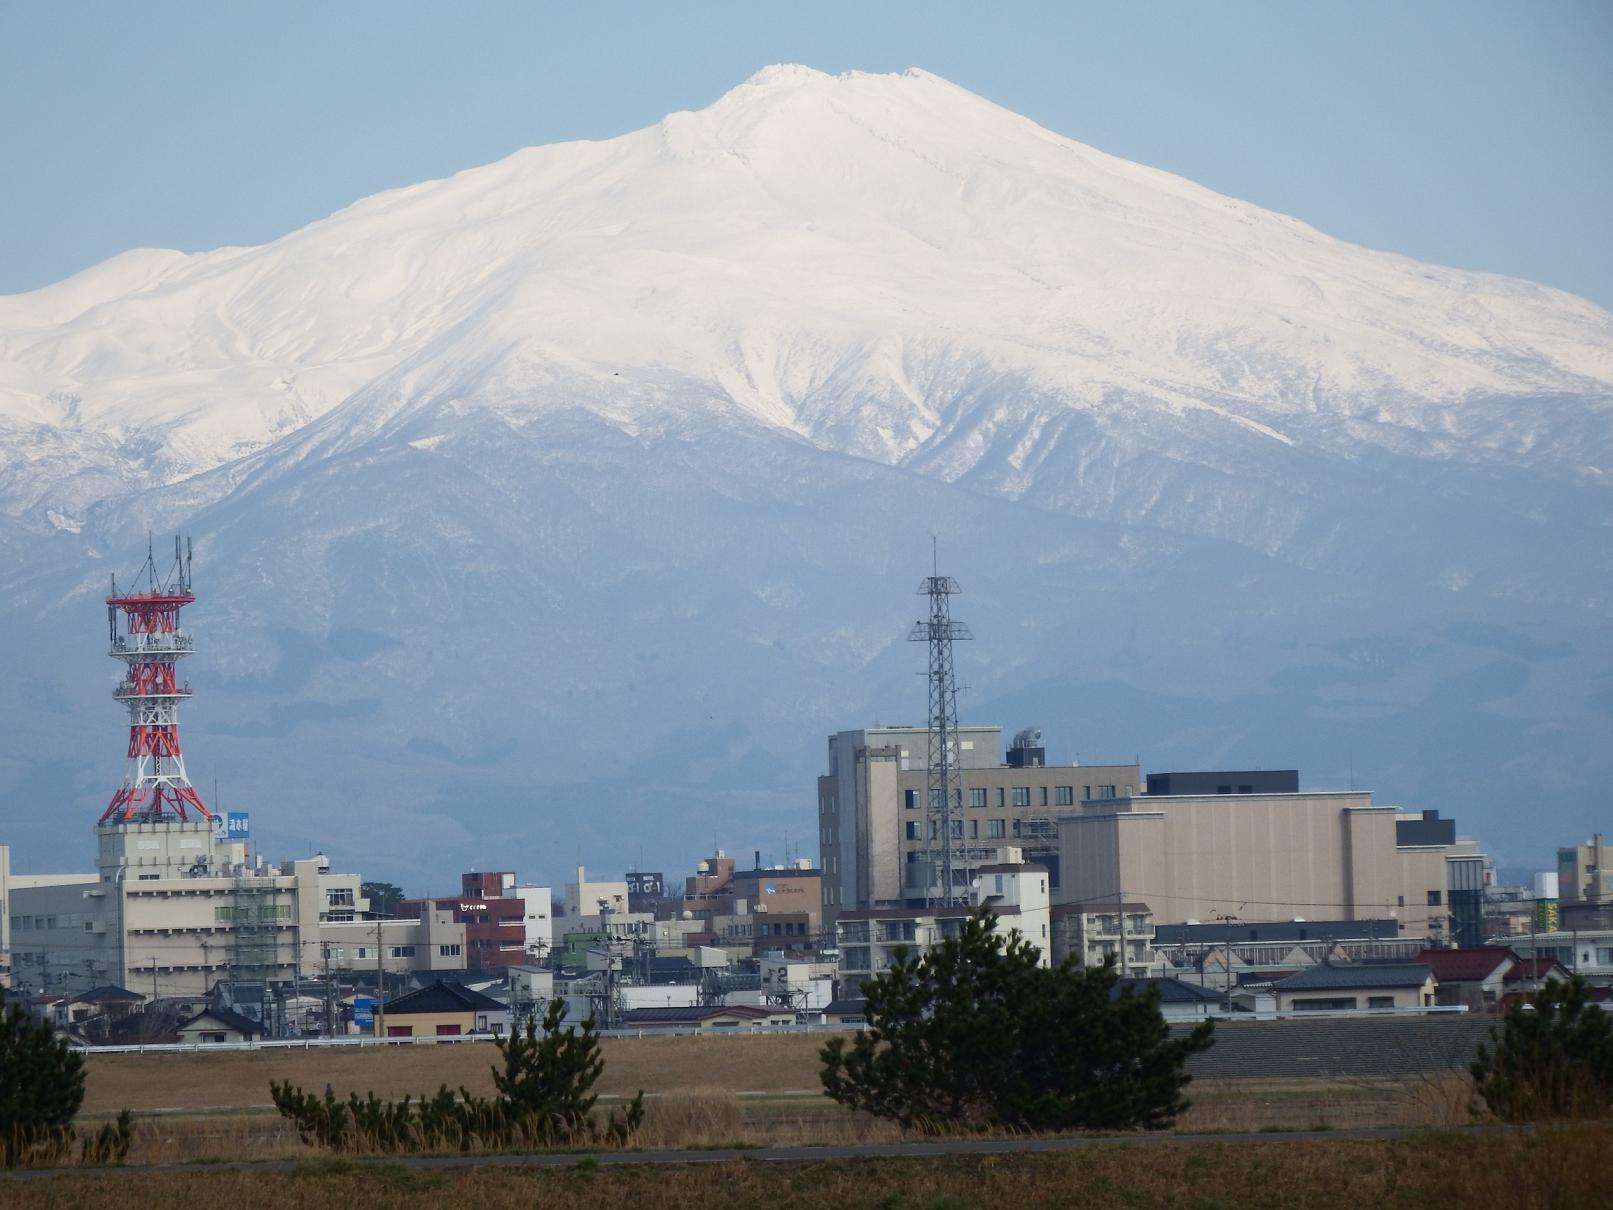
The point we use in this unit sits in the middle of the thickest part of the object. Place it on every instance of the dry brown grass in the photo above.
(751, 1090)
(1548, 1169)
(1436, 1101)
(239, 1079)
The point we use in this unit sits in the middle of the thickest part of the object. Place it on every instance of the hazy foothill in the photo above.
(546, 516)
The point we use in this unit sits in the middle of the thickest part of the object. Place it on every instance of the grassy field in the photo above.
(702, 1091)
(1548, 1169)
(237, 1079)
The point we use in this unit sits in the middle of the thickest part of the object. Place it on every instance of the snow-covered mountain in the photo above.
(572, 498)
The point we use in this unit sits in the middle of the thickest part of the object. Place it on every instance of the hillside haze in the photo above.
(555, 511)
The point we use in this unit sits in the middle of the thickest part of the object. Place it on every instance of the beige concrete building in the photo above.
(1255, 857)
(172, 909)
(873, 825)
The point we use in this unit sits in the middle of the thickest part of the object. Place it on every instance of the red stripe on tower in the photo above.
(151, 644)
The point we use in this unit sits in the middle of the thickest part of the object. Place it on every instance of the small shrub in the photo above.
(545, 1099)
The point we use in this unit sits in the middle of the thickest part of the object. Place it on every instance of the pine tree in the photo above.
(41, 1088)
(1553, 1058)
(973, 1033)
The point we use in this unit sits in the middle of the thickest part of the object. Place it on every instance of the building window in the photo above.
(996, 829)
(977, 796)
(448, 951)
(342, 898)
(1063, 796)
(957, 829)
(1022, 796)
(910, 799)
(1380, 1001)
(403, 951)
(1106, 791)
(1044, 796)
(913, 830)
(974, 830)
(1433, 898)
(1001, 797)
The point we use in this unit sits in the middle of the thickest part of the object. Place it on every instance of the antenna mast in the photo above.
(947, 865)
(150, 644)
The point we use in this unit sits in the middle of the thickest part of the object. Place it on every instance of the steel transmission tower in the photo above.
(946, 859)
(155, 785)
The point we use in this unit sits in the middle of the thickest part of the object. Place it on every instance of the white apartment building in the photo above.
(1092, 932)
(869, 939)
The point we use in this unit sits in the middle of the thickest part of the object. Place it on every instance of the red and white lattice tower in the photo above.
(155, 787)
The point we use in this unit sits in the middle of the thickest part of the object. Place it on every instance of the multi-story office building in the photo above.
(1585, 885)
(874, 824)
(172, 909)
(504, 924)
(1263, 856)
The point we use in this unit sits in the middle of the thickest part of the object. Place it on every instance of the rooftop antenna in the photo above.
(946, 860)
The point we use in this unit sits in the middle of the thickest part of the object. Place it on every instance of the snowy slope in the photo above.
(665, 418)
(840, 257)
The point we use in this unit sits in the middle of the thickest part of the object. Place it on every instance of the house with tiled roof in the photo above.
(444, 1010)
(1529, 975)
(1474, 976)
(214, 1026)
(77, 1010)
(1346, 986)
(1179, 1000)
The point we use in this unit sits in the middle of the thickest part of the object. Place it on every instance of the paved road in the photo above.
(765, 1155)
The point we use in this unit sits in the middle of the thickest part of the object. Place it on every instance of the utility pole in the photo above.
(1120, 921)
(610, 962)
(154, 978)
(380, 984)
(1226, 997)
(330, 1024)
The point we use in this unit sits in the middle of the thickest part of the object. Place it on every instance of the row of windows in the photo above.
(245, 915)
(996, 829)
(1008, 796)
(361, 952)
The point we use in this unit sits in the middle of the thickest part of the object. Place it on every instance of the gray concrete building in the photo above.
(873, 823)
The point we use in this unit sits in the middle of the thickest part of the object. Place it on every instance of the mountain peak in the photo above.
(873, 262)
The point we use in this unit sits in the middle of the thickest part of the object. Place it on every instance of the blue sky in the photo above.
(1473, 134)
